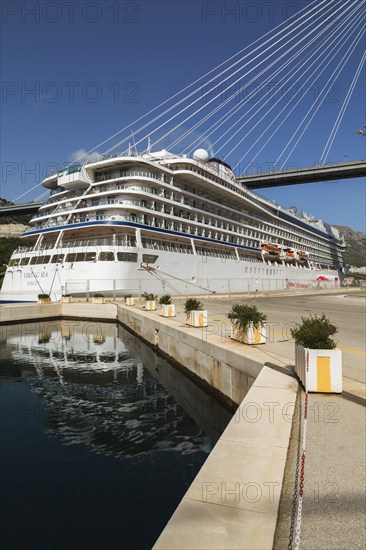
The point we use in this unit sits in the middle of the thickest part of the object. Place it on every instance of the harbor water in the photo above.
(100, 437)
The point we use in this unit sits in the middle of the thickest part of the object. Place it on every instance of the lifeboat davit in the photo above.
(303, 256)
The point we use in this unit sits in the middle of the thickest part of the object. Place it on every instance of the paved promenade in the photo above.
(334, 486)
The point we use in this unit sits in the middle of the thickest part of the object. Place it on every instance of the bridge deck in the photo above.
(311, 174)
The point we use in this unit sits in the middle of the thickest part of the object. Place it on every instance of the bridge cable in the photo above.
(342, 111)
(223, 81)
(234, 109)
(308, 9)
(285, 77)
(336, 49)
(333, 77)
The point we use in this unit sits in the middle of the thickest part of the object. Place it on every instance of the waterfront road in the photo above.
(346, 310)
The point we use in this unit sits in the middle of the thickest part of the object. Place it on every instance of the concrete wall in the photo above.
(228, 368)
(233, 502)
(21, 313)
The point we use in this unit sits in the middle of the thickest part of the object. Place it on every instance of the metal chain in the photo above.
(299, 513)
(302, 475)
(294, 496)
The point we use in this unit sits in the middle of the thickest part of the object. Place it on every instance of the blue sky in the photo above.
(74, 73)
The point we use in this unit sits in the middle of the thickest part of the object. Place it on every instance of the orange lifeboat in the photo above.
(289, 253)
(269, 248)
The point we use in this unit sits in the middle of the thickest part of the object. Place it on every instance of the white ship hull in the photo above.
(174, 274)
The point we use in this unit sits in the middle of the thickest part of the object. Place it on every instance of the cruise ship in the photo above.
(158, 222)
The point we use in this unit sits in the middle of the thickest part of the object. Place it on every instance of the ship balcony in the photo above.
(50, 182)
(75, 178)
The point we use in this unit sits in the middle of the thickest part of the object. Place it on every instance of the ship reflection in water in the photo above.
(100, 434)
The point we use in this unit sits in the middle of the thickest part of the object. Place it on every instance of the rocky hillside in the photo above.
(11, 227)
(356, 246)
(22, 219)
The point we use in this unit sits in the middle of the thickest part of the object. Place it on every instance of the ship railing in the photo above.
(22, 249)
(131, 174)
(173, 198)
(45, 246)
(57, 191)
(59, 210)
(121, 241)
(70, 195)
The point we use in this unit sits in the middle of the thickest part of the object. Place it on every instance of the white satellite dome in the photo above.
(201, 155)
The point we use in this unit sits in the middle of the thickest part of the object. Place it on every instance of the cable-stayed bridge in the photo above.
(311, 174)
(266, 100)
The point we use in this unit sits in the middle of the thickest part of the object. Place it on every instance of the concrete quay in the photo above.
(250, 474)
(345, 307)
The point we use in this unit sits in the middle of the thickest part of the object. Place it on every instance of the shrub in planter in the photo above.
(247, 324)
(129, 300)
(167, 308)
(66, 298)
(315, 333)
(192, 304)
(98, 299)
(196, 316)
(165, 300)
(150, 301)
(44, 299)
(317, 363)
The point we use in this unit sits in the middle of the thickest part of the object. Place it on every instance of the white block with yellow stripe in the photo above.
(167, 310)
(320, 370)
(197, 318)
(254, 334)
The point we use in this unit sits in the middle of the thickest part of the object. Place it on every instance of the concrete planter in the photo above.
(320, 370)
(167, 310)
(66, 299)
(130, 301)
(254, 334)
(44, 300)
(197, 318)
(150, 305)
(98, 300)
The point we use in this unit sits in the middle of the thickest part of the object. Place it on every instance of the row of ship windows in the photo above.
(209, 232)
(219, 252)
(82, 257)
(162, 193)
(281, 231)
